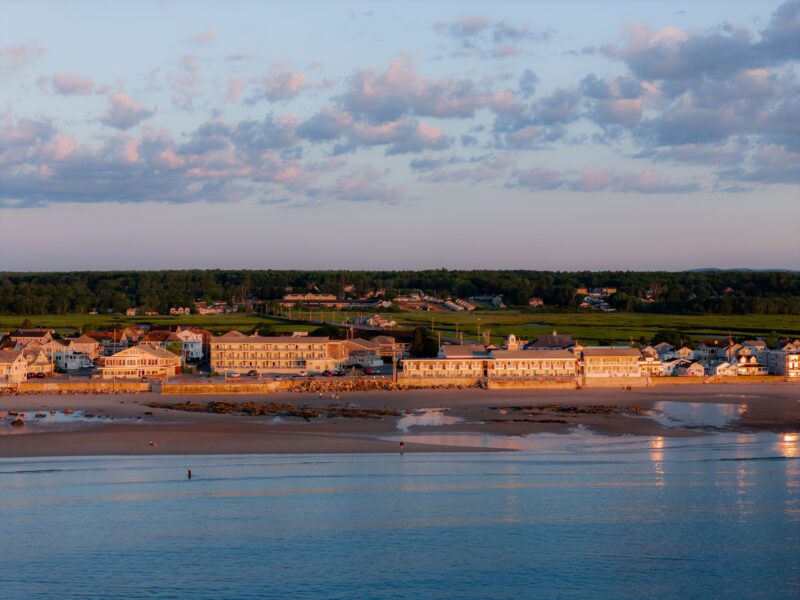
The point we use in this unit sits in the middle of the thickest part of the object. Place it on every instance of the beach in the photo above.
(124, 424)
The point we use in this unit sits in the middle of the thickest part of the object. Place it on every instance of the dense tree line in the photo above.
(722, 292)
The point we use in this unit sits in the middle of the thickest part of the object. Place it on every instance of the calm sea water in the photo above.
(574, 516)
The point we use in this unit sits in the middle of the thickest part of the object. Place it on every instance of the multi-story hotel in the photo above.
(236, 352)
(534, 365)
(611, 362)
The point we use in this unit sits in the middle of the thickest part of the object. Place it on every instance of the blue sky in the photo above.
(549, 135)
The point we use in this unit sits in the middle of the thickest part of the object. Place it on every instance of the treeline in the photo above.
(722, 292)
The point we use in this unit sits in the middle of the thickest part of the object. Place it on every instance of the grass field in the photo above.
(586, 327)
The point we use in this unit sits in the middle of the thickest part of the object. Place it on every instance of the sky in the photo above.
(399, 135)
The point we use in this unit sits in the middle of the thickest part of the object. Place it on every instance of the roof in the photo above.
(560, 340)
(235, 337)
(161, 335)
(9, 356)
(755, 343)
(369, 344)
(29, 333)
(464, 351)
(534, 354)
(84, 339)
(599, 351)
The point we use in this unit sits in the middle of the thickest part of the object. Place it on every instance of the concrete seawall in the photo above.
(82, 387)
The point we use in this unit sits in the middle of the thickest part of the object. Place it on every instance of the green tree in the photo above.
(423, 344)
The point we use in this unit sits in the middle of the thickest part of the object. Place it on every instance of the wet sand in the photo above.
(767, 407)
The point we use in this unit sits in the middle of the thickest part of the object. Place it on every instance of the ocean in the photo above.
(570, 516)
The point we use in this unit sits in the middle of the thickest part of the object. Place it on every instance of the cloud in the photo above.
(282, 84)
(184, 82)
(203, 38)
(538, 178)
(480, 36)
(768, 164)
(269, 134)
(18, 56)
(384, 95)
(482, 168)
(527, 83)
(124, 112)
(363, 184)
(594, 179)
(235, 87)
(67, 85)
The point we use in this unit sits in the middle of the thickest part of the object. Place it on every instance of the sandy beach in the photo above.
(124, 425)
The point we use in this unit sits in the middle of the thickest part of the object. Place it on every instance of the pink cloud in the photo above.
(282, 84)
(16, 57)
(59, 147)
(594, 178)
(235, 88)
(204, 37)
(124, 112)
(66, 85)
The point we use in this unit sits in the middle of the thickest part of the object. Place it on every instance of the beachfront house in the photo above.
(140, 362)
(532, 365)
(611, 363)
(12, 367)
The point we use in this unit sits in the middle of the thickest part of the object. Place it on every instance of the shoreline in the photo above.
(122, 426)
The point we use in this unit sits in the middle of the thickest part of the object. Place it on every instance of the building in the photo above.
(535, 302)
(191, 344)
(12, 367)
(68, 360)
(36, 362)
(366, 353)
(749, 365)
(533, 365)
(555, 341)
(117, 340)
(26, 336)
(375, 322)
(180, 310)
(722, 369)
(611, 362)
(141, 362)
(685, 368)
(85, 345)
(239, 353)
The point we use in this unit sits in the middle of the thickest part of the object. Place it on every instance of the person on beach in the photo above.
(189, 474)
(402, 447)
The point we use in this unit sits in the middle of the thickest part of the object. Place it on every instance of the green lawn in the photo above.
(586, 327)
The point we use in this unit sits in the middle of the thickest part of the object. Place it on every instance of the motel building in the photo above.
(454, 361)
(240, 353)
(611, 362)
(141, 362)
(532, 365)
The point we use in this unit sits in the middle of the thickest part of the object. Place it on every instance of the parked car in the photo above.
(40, 376)
(303, 374)
(327, 373)
(252, 373)
(368, 371)
(338, 373)
(233, 375)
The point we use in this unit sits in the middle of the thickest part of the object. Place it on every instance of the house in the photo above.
(159, 338)
(52, 349)
(686, 368)
(236, 352)
(390, 347)
(665, 351)
(12, 367)
(139, 362)
(375, 321)
(611, 362)
(26, 336)
(685, 353)
(191, 343)
(749, 365)
(180, 310)
(722, 369)
(37, 362)
(114, 341)
(85, 345)
(650, 364)
(69, 360)
(533, 365)
(363, 352)
(785, 360)
(535, 302)
(758, 348)
(130, 312)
